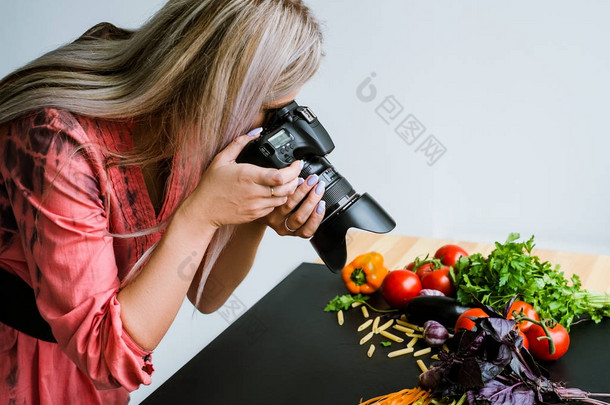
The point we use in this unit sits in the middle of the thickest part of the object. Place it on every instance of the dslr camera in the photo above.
(292, 133)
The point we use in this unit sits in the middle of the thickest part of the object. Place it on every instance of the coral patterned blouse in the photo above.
(59, 203)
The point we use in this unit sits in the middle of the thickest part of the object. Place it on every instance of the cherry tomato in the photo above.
(410, 266)
(526, 342)
(528, 310)
(450, 254)
(540, 348)
(439, 280)
(464, 322)
(424, 269)
(399, 286)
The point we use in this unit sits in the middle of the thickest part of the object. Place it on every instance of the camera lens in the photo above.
(339, 192)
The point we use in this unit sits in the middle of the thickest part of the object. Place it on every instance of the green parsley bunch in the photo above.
(510, 269)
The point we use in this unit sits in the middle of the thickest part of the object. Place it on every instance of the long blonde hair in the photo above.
(200, 68)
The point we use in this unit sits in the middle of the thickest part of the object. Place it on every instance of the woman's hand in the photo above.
(303, 221)
(230, 193)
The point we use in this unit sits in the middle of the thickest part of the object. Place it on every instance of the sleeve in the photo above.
(54, 187)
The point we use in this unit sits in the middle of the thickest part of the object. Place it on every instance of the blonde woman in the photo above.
(120, 194)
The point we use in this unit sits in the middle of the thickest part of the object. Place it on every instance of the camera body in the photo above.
(295, 133)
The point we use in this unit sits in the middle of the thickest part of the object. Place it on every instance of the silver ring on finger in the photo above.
(289, 229)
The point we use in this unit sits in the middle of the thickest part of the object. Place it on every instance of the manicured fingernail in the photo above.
(255, 131)
(300, 181)
(321, 206)
(313, 179)
(320, 188)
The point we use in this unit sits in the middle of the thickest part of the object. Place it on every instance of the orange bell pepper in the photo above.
(365, 273)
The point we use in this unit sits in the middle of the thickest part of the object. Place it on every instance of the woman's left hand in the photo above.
(303, 221)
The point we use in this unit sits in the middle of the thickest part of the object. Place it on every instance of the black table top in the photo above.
(286, 350)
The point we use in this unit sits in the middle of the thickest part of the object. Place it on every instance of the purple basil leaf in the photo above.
(469, 375)
(528, 362)
(508, 305)
(504, 356)
(469, 343)
(498, 393)
(522, 396)
(521, 370)
(498, 328)
(489, 371)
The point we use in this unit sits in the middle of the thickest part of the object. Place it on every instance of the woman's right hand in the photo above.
(231, 193)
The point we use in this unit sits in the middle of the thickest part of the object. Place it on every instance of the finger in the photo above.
(233, 150)
(285, 190)
(299, 217)
(268, 205)
(299, 194)
(278, 177)
(311, 226)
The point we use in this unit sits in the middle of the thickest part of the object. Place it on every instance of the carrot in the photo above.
(404, 397)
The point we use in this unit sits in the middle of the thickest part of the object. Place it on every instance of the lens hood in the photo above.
(329, 240)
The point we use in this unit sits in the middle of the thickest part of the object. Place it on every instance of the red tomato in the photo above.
(528, 310)
(540, 348)
(410, 266)
(464, 322)
(399, 286)
(424, 269)
(450, 254)
(439, 280)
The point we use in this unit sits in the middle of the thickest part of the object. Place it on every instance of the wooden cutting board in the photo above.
(398, 251)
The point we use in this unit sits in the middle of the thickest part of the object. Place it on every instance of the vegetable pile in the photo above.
(489, 363)
(504, 310)
(511, 270)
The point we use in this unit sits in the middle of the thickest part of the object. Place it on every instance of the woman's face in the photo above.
(266, 108)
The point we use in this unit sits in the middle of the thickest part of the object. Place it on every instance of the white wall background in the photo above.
(515, 92)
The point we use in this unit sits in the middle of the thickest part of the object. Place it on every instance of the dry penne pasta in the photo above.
(422, 366)
(445, 348)
(413, 326)
(376, 324)
(434, 357)
(340, 318)
(356, 304)
(365, 325)
(400, 352)
(403, 328)
(391, 336)
(412, 342)
(366, 338)
(365, 312)
(403, 317)
(371, 350)
(385, 325)
(417, 335)
(422, 352)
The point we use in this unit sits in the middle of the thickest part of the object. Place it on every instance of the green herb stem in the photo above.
(381, 311)
(594, 299)
(462, 399)
(519, 317)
